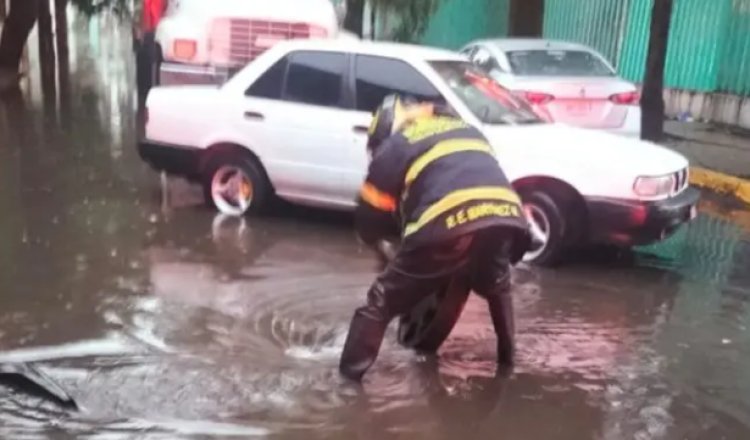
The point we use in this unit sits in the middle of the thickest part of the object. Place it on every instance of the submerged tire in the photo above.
(430, 323)
(235, 184)
(548, 229)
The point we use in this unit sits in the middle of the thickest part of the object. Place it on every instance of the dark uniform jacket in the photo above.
(436, 180)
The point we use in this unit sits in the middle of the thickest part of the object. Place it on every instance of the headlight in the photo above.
(654, 186)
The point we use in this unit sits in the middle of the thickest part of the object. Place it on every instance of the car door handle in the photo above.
(361, 129)
(254, 115)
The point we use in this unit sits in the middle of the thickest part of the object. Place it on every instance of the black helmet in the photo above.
(383, 122)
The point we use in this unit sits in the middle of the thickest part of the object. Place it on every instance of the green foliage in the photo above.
(121, 8)
(414, 16)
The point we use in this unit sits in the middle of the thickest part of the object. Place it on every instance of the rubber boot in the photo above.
(501, 312)
(366, 334)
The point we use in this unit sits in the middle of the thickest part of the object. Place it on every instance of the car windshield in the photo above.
(489, 101)
(557, 63)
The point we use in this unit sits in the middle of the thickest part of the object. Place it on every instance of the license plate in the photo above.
(578, 108)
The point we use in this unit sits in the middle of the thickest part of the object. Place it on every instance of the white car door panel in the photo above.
(305, 138)
(376, 77)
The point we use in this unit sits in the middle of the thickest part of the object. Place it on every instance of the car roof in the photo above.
(509, 44)
(377, 48)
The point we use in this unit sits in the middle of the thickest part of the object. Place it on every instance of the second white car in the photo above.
(566, 82)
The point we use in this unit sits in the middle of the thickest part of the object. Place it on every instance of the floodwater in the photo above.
(164, 320)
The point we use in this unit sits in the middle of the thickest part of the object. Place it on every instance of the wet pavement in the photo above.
(164, 320)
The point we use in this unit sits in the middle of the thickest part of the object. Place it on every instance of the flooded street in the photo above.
(165, 320)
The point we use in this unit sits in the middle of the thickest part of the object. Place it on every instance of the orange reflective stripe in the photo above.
(377, 198)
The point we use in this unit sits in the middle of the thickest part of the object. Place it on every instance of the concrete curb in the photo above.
(721, 183)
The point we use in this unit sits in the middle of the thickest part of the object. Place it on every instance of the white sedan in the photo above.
(566, 82)
(294, 123)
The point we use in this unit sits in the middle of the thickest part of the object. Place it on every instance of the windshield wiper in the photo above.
(530, 122)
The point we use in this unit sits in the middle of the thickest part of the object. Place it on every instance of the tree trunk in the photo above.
(47, 52)
(355, 10)
(373, 19)
(3, 10)
(526, 18)
(63, 57)
(652, 101)
(16, 30)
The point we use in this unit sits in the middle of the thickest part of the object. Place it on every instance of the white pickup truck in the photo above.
(206, 41)
(294, 123)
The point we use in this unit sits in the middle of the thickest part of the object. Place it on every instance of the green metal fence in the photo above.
(600, 24)
(696, 35)
(457, 22)
(709, 46)
(632, 62)
(734, 68)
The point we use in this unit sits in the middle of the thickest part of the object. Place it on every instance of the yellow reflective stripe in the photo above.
(443, 149)
(457, 198)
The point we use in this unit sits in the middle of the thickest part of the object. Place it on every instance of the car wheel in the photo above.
(547, 221)
(429, 324)
(235, 185)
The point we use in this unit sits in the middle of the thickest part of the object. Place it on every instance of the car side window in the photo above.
(483, 58)
(269, 84)
(469, 51)
(377, 77)
(315, 78)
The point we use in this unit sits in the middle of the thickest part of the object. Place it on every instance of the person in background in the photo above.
(433, 181)
(151, 13)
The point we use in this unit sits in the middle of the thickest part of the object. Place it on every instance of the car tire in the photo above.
(237, 176)
(550, 217)
(429, 324)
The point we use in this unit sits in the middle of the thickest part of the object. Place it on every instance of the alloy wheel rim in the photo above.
(232, 190)
(540, 231)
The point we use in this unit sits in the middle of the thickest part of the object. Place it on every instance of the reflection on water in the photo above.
(164, 320)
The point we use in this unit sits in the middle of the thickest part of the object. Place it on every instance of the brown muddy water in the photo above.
(164, 320)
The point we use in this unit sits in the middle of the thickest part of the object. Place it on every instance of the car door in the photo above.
(375, 77)
(298, 116)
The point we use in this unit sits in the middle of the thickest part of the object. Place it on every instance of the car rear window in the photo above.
(315, 78)
(488, 100)
(269, 84)
(557, 63)
(377, 77)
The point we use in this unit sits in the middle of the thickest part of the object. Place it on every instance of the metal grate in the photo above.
(239, 41)
(680, 181)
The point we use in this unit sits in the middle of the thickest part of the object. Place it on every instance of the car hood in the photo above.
(585, 147)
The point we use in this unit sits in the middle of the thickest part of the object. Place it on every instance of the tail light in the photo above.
(184, 49)
(537, 98)
(627, 98)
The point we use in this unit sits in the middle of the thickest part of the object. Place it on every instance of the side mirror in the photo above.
(483, 60)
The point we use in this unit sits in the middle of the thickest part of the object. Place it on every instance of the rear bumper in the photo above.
(633, 223)
(631, 126)
(184, 74)
(173, 159)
